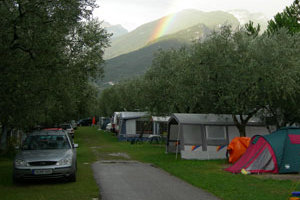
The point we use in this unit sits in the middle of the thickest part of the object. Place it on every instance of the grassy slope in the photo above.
(94, 145)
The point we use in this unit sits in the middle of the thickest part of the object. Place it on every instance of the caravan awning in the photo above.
(209, 119)
(133, 115)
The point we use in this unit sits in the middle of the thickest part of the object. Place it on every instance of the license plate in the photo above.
(42, 171)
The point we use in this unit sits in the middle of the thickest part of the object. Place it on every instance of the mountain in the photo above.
(140, 37)
(117, 30)
(244, 16)
(136, 63)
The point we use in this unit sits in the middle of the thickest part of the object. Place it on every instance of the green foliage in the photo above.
(171, 83)
(126, 96)
(50, 51)
(278, 67)
(289, 19)
(254, 31)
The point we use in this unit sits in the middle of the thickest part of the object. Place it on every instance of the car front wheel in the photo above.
(72, 177)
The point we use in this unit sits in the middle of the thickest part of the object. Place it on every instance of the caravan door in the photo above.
(131, 127)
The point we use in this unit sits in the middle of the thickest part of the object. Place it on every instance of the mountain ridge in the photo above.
(139, 37)
(135, 62)
(116, 30)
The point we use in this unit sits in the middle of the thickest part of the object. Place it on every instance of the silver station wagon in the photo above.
(46, 154)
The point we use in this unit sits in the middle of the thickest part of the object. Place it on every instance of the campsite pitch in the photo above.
(121, 180)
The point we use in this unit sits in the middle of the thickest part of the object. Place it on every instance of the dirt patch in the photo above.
(117, 162)
(122, 155)
(110, 156)
(96, 147)
(292, 177)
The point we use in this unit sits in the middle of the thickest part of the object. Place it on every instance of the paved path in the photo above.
(129, 180)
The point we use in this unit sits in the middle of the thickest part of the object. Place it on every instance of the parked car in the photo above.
(68, 128)
(46, 154)
(108, 127)
(85, 122)
(103, 122)
(53, 129)
(74, 124)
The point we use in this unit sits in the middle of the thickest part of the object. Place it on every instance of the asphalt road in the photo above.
(129, 180)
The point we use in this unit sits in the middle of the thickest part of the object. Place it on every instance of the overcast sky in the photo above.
(133, 13)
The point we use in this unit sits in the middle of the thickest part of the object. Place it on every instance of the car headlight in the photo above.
(21, 163)
(65, 161)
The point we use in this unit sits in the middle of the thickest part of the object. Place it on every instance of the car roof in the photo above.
(52, 129)
(49, 132)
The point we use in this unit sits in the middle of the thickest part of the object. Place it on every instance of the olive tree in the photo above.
(50, 50)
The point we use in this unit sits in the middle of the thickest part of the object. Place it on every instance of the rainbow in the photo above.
(162, 26)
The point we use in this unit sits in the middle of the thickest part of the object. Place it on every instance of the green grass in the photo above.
(99, 145)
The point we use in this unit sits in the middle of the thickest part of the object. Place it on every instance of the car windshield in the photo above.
(41, 142)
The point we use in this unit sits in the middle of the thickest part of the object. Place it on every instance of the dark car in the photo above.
(85, 122)
(46, 154)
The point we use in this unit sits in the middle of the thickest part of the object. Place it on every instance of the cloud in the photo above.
(133, 13)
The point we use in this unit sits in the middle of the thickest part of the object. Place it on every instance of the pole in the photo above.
(179, 125)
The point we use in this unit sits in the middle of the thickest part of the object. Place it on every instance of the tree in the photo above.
(251, 30)
(245, 74)
(289, 19)
(278, 66)
(228, 80)
(49, 52)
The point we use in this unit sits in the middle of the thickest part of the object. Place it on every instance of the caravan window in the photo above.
(192, 134)
(215, 132)
(144, 125)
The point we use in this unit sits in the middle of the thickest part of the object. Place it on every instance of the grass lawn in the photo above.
(99, 145)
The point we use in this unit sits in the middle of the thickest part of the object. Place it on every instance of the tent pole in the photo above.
(179, 126)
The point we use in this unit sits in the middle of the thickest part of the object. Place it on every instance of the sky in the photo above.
(133, 13)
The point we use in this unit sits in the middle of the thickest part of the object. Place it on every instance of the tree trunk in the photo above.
(241, 126)
(3, 141)
(242, 130)
(143, 129)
